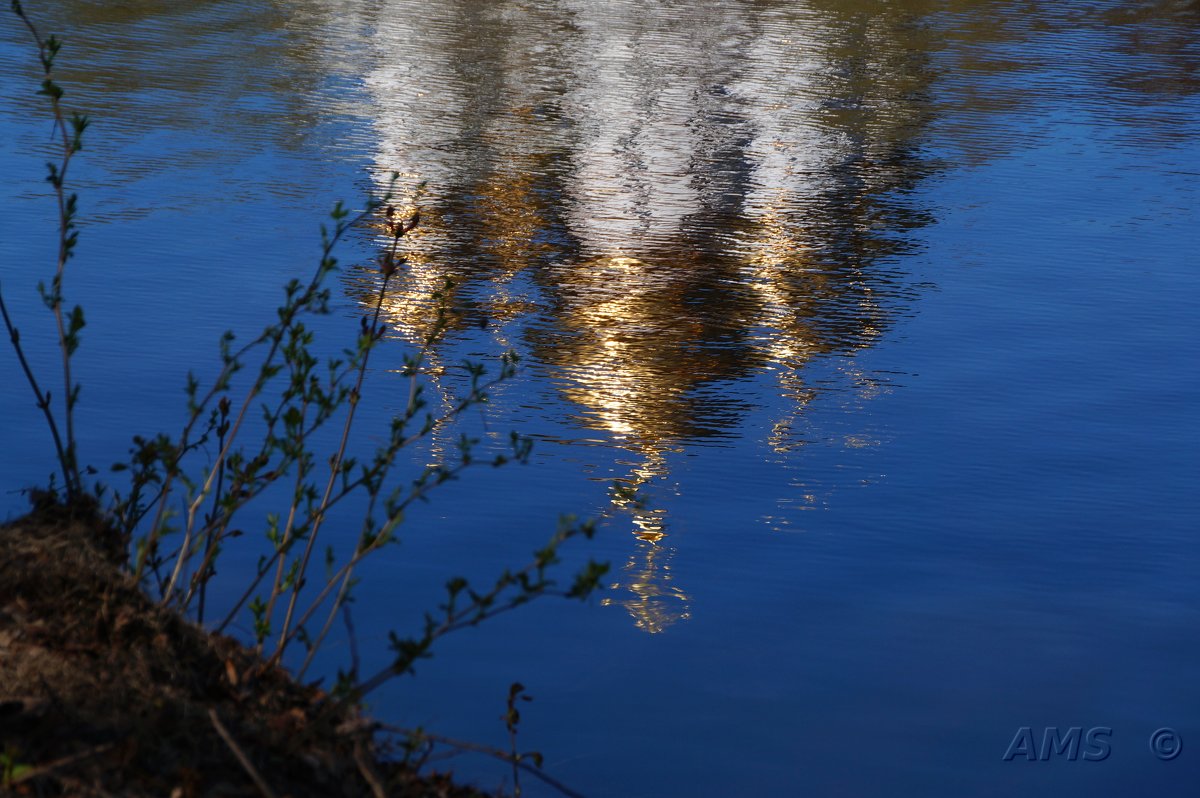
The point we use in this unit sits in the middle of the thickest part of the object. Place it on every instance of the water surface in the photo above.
(887, 310)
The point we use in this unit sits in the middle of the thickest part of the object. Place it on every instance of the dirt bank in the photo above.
(102, 692)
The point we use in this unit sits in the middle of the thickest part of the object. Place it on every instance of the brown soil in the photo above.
(103, 692)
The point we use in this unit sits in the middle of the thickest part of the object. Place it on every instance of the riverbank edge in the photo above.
(105, 692)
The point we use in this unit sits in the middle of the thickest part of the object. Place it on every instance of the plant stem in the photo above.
(43, 399)
(67, 454)
(334, 467)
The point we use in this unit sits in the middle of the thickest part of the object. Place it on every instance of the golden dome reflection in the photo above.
(670, 216)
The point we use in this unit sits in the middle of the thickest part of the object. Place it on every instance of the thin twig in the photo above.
(82, 787)
(245, 762)
(511, 717)
(353, 636)
(274, 337)
(289, 528)
(46, 52)
(43, 399)
(335, 467)
(42, 770)
(368, 772)
(210, 536)
(496, 753)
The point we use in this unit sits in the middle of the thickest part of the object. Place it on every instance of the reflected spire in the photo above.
(646, 585)
(656, 603)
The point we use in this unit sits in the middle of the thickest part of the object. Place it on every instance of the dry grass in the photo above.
(104, 692)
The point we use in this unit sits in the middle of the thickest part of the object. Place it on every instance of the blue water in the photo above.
(889, 314)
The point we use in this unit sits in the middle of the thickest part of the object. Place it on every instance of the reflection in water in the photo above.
(655, 603)
(181, 93)
(671, 209)
(658, 204)
(687, 217)
(676, 211)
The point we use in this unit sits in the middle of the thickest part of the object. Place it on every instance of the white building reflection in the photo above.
(662, 187)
